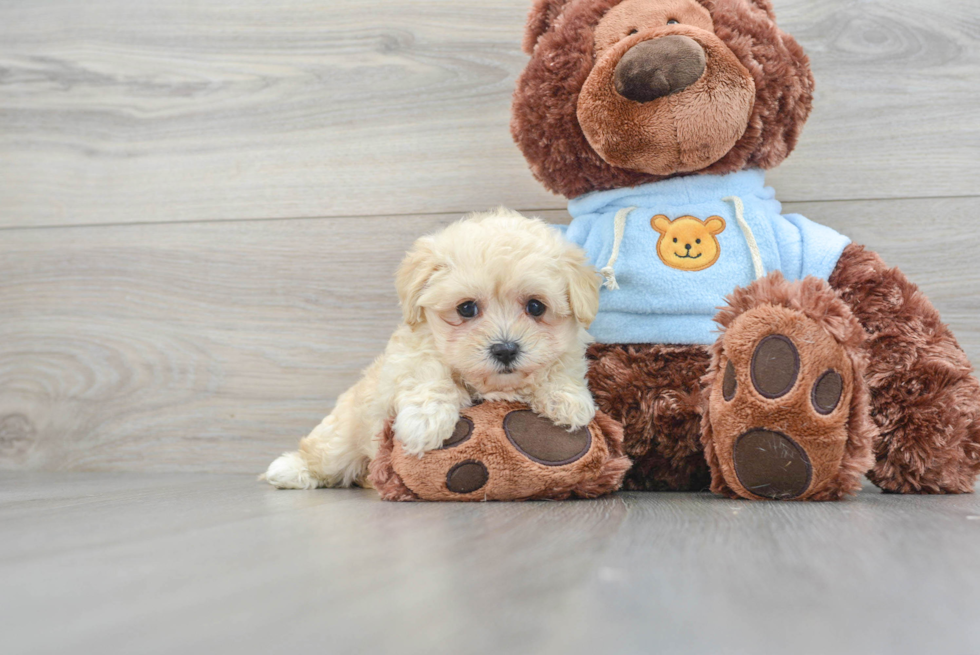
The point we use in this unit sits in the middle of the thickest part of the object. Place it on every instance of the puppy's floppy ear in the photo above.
(583, 285)
(413, 273)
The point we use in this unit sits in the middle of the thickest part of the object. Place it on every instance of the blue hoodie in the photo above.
(685, 243)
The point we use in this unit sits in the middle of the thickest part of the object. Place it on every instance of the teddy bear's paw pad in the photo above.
(729, 383)
(771, 465)
(779, 408)
(542, 441)
(827, 392)
(467, 477)
(462, 432)
(775, 366)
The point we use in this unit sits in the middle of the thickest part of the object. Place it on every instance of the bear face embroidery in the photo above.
(688, 243)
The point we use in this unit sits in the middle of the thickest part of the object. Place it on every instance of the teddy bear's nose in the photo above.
(659, 67)
(687, 246)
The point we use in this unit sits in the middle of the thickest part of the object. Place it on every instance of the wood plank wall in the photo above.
(202, 204)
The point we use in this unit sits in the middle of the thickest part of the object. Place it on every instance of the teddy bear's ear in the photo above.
(660, 223)
(725, 5)
(543, 13)
(766, 6)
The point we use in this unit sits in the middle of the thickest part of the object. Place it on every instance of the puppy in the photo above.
(495, 307)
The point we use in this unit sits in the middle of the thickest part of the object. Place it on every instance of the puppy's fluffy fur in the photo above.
(439, 360)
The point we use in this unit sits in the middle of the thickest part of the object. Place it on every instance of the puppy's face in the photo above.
(497, 325)
(504, 297)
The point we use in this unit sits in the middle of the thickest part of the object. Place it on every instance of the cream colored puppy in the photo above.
(495, 308)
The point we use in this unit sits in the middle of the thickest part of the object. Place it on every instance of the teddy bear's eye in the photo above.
(675, 239)
(673, 22)
(697, 241)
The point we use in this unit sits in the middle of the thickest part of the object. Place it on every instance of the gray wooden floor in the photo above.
(192, 563)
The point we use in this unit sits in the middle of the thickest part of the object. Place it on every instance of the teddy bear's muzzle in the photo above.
(659, 67)
(666, 100)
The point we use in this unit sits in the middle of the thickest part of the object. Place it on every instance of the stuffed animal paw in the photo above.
(787, 413)
(504, 451)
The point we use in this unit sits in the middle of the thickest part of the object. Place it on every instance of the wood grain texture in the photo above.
(126, 563)
(215, 346)
(116, 112)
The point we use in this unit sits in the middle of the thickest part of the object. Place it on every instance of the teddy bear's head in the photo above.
(622, 92)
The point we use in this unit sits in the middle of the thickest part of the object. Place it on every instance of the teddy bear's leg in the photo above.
(654, 391)
(787, 410)
(924, 399)
(504, 451)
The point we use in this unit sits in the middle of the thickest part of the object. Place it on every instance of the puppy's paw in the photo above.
(570, 408)
(290, 471)
(422, 428)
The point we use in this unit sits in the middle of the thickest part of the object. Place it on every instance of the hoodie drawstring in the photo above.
(760, 270)
(619, 227)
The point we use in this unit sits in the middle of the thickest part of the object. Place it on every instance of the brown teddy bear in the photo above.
(657, 118)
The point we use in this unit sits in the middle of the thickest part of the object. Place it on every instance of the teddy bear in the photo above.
(657, 119)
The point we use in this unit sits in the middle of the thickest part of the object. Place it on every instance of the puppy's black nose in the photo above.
(505, 352)
(687, 245)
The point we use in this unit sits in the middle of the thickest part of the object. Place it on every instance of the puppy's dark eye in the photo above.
(632, 32)
(468, 309)
(697, 241)
(673, 22)
(535, 307)
(675, 239)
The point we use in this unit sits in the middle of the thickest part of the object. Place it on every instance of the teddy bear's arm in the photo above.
(924, 398)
